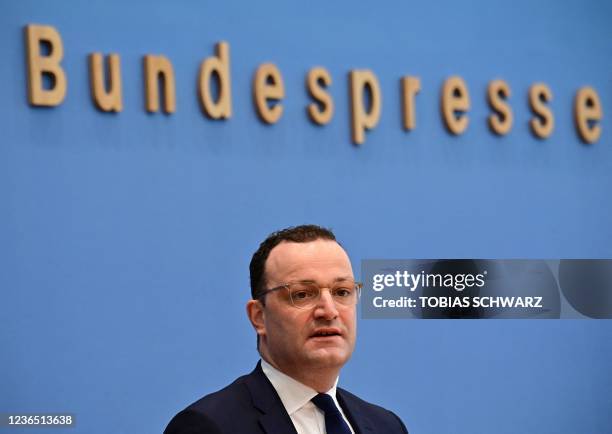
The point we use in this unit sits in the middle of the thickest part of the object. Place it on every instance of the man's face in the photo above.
(289, 337)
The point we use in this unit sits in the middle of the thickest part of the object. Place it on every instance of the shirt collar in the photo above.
(293, 394)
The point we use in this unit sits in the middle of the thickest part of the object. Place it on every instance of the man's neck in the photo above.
(317, 378)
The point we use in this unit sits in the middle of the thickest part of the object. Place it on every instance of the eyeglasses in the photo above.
(306, 294)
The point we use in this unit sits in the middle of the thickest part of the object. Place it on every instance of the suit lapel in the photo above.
(359, 421)
(274, 418)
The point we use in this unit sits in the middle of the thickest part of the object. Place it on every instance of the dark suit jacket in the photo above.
(250, 405)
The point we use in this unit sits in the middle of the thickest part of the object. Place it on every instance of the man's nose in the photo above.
(326, 306)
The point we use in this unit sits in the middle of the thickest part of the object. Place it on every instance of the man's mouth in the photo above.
(322, 333)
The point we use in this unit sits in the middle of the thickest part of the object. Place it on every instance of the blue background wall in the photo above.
(125, 239)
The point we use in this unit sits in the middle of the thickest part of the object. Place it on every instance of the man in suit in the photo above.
(303, 309)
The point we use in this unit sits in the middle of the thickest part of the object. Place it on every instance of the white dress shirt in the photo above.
(306, 417)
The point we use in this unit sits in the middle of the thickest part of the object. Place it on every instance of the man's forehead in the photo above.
(313, 256)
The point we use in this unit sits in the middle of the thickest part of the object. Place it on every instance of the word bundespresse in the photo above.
(269, 91)
(412, 281)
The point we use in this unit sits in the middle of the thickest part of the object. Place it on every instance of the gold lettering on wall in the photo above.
(361, 118)
(219, 65)
(543, 124)
(47, 86)
(317, 79)
(268, 86)
(159, 69)
(455, 102)
(111, 99)
(588, 113)
(39, 64)
(501, 120)
(410, 87)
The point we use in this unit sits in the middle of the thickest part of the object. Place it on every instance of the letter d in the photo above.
(219, 64)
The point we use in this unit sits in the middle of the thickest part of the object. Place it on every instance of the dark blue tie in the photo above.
(334, 422)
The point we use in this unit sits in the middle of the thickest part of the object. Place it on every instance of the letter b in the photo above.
(39, 65)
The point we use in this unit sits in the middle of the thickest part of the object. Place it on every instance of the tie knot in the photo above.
(325, 403)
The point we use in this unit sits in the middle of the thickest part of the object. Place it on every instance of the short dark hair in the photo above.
(294, 234)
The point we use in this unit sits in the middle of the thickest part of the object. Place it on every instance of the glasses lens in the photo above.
(345, 292)
(306, 295)
(303, 294)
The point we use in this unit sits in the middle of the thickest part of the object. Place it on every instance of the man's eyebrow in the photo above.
(337, 279)
(340, 279)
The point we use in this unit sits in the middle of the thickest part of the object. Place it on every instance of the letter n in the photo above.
(159, 69)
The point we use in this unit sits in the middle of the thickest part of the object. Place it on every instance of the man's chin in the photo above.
(329, 357)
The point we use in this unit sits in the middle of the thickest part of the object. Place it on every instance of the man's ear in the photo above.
(256, 314)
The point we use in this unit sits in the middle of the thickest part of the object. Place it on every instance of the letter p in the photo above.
(362, 119)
